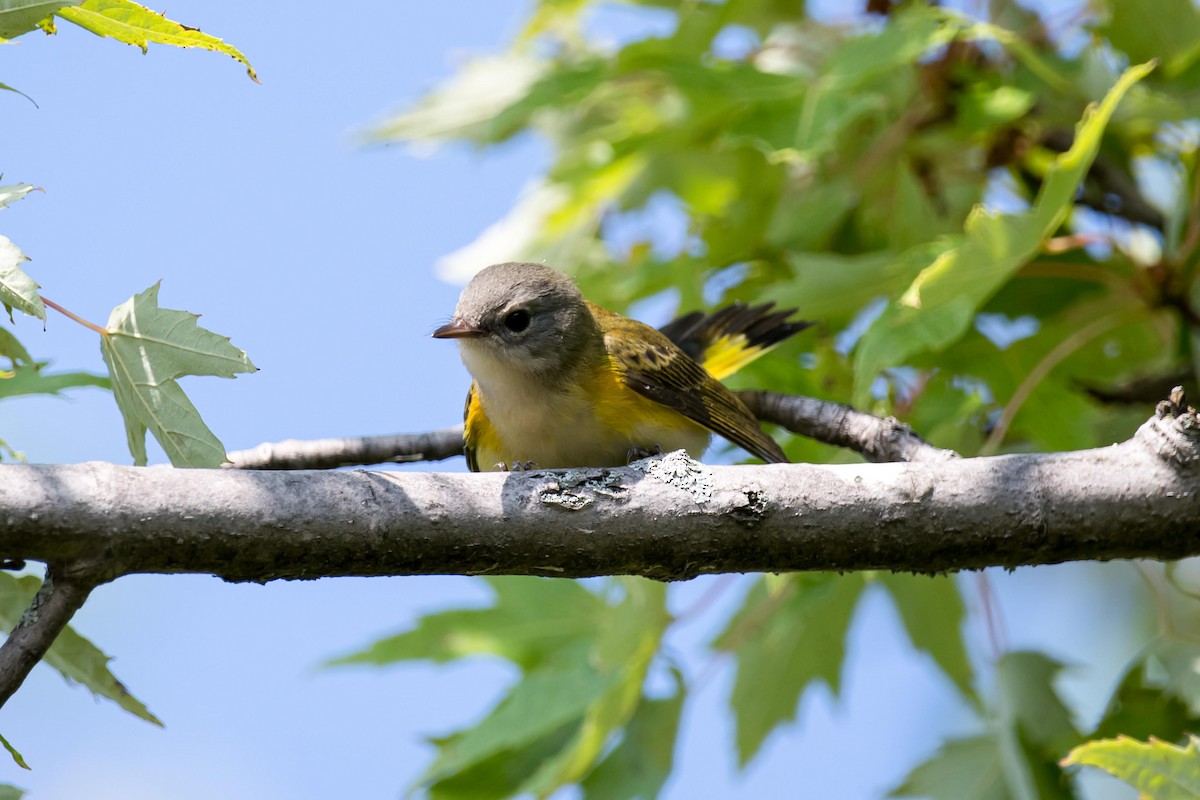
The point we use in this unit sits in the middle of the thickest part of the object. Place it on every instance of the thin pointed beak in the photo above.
(457, 329)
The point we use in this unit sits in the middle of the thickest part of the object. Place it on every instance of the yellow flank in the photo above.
(604, 420)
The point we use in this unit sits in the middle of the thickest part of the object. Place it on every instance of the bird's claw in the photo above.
(516, 466)
(638, 452)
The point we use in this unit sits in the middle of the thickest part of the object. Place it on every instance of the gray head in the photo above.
(523, 316)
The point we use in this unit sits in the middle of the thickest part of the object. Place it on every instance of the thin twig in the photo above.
(1051, 360)
(994, 621)
(877, 439)
(73, 316)
(332, 453)
(1075, 271)
(61, 595)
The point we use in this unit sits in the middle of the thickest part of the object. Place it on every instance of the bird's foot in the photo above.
(516, 466)
(638, 452)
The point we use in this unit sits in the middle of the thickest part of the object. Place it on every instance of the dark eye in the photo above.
(517, 321)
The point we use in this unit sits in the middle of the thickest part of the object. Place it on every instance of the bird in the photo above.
(560, 382)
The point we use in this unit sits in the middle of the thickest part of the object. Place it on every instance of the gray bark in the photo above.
(667, 519)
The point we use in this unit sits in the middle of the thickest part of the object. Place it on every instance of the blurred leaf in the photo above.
(638, 767)
(532, 620)
(146, 349)
(1170, 664)
(13, 350)
(76, 658)
(8, 791)
(963, 769)
(783, 642)
(1029, 729)
(628, 638)
(1033, 727)
(1027, 699)
(912, 32)
(584, 666)
(551, 15)
(984, 108)
(11, 194)
(465, 106)
(540, 704)
(500, 775)
(940, 304)
(1157, 769)
(1164, 29)
(834, 288)
(17, 290)
(932, 611)
(31, 380)
(137, 25)
(1142, 707)
(21, 16)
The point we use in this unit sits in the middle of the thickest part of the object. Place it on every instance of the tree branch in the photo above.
(331, 453)
(63, 592)
(876, 439)
(669, 518)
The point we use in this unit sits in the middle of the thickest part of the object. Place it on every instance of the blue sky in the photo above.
(255, 208)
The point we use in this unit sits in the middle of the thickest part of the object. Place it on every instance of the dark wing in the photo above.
(654, 367)
(753, 328)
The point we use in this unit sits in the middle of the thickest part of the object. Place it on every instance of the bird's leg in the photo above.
(638, 452)
(516, 466)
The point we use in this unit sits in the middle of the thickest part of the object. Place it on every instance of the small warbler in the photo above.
(560, 382)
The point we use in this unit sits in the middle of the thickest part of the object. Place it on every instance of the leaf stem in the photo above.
(75, 317)
(1052, 359)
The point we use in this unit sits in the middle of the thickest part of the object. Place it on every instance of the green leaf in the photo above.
(7, 790)
(146, 349)
(76, 658)
(31, 380)
(1028, 700)
(584, 658)
(17, 290)
(932, 611)
(963, 769)
(1032, 727)
(13, 193)
(1170, 665)
(20, 761)
(1162, 29)
(552, 16)
(783, 642)
(466, 106)
(531, 620)
(637, 768)
(628, 638)
(13, 350)
(21, 16)
(1159, 770)
(1142, 707)
(137, 25)
(5, 87)
(940, 304)
(539, 705)
(915, 30)
(1029, 729)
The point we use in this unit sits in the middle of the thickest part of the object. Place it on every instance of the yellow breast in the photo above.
(596, 421)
